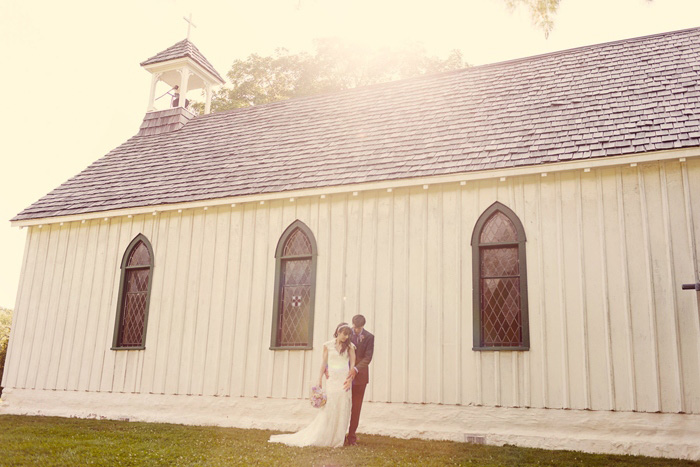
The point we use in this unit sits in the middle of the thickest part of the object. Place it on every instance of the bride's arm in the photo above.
(352, 355)
(324, 364)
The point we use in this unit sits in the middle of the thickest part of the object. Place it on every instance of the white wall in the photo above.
(607, 251)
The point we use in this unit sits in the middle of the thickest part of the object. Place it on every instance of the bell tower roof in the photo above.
(182, 49)
(183, 68)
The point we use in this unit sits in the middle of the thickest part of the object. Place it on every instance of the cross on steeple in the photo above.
(189, 23)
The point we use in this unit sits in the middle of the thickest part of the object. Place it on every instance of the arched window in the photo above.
(499, 281)
(295, 287)
(134, 293)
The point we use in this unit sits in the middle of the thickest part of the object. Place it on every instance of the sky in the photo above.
(72, 88)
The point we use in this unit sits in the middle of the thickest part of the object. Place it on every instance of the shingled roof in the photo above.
(182, 49)
(624, 97)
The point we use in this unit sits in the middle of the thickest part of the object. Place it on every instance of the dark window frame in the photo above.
(476, 276)
(279, 258)
(140, 238)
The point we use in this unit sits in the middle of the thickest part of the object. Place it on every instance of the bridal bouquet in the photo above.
(318, 397)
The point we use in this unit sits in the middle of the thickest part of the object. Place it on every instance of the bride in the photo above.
(331, 423)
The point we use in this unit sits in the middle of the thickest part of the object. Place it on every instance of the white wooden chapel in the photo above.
(516, 234)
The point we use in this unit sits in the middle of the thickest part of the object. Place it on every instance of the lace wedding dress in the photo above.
(331, 422)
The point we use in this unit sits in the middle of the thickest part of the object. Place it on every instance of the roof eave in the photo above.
(167, 65)
(551, 167)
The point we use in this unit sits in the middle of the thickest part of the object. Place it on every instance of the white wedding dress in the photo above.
(332, 421)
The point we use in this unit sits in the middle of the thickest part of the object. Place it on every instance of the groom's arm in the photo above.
(364, 361)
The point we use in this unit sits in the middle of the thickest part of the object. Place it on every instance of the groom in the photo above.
(359, 375)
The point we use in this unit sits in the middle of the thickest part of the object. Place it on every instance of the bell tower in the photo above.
(183, 68)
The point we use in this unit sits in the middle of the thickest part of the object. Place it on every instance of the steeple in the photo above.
(183, 68)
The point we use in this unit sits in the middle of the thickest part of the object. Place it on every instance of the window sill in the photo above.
(293, 347)
(499, 349)
(127, 348)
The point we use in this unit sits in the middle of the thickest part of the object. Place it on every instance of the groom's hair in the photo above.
(358, 321)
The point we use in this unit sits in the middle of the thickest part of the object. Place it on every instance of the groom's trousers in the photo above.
(358, 394)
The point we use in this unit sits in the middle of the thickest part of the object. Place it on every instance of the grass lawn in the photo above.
(53, 441)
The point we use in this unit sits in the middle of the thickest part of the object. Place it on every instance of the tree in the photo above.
(5, 322)
(334, 66)
(541, 11)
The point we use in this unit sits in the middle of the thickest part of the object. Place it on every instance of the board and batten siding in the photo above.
(607, 251)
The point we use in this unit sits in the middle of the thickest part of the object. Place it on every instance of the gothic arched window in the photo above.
(499, 281)
(134, 293)
(295, 287)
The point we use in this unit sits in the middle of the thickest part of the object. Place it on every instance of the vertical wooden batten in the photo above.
(18, 306)
(677, 364)
(403, 336)
(181, 308)
(245, 305)
(106, 362)
(566, 394)
(612, 404)
(372, 264)
(439, 220)
(387, 279)
(651, 293)
(626, 291)
(277, 229)
(88, 347)
(542, 309)
(583, 301)
(230, 326)
(459, 292)
(69, 337)
(424, 271)
(52, 321)
(27, 322)
(690, 176)
(43, 310)
(519, 204)
(258, 302)
(165, 273)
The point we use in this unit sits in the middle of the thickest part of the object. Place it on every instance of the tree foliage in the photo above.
(541, 11)
(5, 322)
(335, 65)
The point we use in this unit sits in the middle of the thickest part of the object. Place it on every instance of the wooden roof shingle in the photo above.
(182, 49)
(624, 97)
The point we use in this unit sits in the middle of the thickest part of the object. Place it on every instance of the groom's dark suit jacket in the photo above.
(363, 355)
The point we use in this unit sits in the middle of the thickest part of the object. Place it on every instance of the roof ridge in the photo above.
(589, 46)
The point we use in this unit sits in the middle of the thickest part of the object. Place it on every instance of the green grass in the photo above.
(53, 441)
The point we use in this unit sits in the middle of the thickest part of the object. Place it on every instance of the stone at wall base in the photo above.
(648, 434)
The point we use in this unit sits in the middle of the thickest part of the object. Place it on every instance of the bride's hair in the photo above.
(343, 328)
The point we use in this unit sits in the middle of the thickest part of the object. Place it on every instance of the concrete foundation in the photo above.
(649, 434)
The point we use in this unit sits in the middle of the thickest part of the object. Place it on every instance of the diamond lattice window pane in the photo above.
(498, 262)
(294, 321)
(498, 229)
(295, 303)
(297, 244)
(501, 323)
(137, 280)
(133, 308)
(296, 272)
(139, 256)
